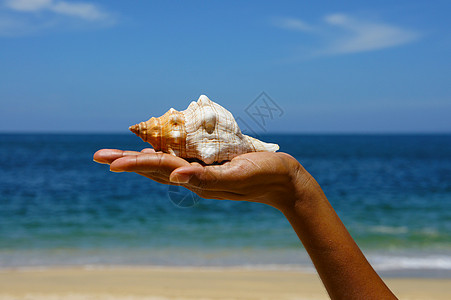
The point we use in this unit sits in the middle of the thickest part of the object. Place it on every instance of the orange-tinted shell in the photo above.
(166, 133)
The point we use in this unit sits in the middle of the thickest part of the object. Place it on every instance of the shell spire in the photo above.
(205, 130)
(166, 133)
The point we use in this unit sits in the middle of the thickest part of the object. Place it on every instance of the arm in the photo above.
(343, 268)
(276, 179)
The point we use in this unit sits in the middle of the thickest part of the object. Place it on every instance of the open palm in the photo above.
(264, 177)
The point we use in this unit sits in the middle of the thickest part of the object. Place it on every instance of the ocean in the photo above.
(58, 207)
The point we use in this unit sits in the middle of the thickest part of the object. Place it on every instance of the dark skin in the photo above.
(278, 180)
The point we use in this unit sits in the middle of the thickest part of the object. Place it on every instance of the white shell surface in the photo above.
(212, 134)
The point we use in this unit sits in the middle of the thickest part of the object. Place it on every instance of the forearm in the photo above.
(341, 265)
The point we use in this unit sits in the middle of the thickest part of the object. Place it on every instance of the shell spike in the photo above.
(204, 100)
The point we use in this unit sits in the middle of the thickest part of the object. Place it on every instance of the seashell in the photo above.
(205, 130)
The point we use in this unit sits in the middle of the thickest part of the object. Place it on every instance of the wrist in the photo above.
(304, 193)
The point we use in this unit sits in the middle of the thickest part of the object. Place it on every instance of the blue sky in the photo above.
(100, 66)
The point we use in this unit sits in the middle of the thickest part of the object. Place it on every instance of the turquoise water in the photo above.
(58, 207)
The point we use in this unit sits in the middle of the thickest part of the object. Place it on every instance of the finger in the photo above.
(156, 177)
(184, 174)
(218, 178)
(107, 156)
(219, 195)
(148, 150)
(195, 164)
(160, 163)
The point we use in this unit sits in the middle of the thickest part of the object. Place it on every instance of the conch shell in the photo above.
(205, 130)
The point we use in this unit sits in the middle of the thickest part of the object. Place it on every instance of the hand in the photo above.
(265, 177)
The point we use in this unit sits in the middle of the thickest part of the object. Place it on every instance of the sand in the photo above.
(136, 283)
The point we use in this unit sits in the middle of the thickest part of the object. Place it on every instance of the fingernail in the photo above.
(116, 170)
(180, 178)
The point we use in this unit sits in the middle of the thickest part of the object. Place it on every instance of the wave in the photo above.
(388, 263)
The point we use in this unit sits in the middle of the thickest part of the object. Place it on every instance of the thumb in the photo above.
(184, 174)
(205, 178)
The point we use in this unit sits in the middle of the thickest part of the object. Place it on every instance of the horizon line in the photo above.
(74, 132)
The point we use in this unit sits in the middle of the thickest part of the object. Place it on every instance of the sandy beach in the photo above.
(73, 283)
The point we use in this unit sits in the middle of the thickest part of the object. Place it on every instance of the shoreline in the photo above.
(409, 273)
(152, 282)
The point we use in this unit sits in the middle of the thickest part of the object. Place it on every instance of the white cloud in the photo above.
(342, 34)
(292, 24)
(28, 5)
(21, 17)
(83, 10)
(359, 36)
